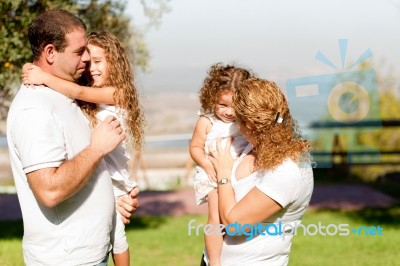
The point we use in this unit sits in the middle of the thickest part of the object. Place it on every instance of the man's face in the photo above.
(71, 63)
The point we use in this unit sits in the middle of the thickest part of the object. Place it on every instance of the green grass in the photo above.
(165, 240)
(353, 249)
(10, 243)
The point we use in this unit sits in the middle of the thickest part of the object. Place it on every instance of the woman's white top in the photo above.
(289, 185)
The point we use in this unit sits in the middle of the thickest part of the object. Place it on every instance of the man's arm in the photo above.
(53, 185)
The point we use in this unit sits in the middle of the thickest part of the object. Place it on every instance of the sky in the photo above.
(276, 39)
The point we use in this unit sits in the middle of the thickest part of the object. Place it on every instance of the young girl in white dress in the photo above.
(216, 120)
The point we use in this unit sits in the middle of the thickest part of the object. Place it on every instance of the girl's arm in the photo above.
(196, 147)
(214, 240)
(32, 74)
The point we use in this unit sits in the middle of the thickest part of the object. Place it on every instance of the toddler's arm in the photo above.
(196, 148)
(32, 74)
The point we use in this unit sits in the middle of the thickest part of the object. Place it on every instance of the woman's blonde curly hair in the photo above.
(258, 104)
(221, 79)
(120, 76)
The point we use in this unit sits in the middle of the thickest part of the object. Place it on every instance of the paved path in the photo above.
(182, 202)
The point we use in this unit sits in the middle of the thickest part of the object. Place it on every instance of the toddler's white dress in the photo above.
(202, 184)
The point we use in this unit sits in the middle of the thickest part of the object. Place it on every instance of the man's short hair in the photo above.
(51, 27)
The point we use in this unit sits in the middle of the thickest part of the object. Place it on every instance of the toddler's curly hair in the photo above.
(221, 79)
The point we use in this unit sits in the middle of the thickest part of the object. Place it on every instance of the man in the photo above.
(64, 188)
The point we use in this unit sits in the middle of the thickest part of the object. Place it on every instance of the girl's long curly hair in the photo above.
(258, 104)
(120, 76)
(221, 79)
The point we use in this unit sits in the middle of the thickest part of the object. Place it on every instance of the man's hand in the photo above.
(127, 205)
(107, 136)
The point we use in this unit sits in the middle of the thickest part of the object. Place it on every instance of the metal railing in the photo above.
(364, 155)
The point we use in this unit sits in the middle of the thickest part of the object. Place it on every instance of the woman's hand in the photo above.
(210, 171)
(222, 159)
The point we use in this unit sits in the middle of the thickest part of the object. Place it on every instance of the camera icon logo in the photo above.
(338, 104)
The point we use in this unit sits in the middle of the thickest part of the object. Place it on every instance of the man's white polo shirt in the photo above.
(45, 128)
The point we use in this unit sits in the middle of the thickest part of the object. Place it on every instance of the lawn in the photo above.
(165, 241)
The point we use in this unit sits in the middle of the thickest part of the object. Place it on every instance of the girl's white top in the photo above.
(117, 160)
(202, 184)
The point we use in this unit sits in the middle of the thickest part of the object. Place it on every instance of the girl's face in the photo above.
(223, 108)
(98, 65)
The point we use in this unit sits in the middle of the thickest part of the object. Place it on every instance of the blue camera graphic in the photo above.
(340, 104)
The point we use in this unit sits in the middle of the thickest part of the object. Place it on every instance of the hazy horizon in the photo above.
(278, 40)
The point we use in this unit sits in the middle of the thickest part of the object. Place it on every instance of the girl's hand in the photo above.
(222, 159)
(32, 74)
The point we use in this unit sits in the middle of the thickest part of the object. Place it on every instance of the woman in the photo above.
(267, 190)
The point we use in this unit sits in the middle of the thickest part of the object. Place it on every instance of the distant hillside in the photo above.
(170, 112)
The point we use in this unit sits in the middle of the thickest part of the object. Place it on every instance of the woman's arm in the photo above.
(196, 147)
(252, 208)
(32, 74)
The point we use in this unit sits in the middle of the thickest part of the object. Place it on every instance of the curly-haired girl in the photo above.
(217, 119)
(112, 89)
(271, 183)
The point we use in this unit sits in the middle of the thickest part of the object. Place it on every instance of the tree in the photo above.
(16, 16)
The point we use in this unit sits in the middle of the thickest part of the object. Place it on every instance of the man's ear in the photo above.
(49, 52)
